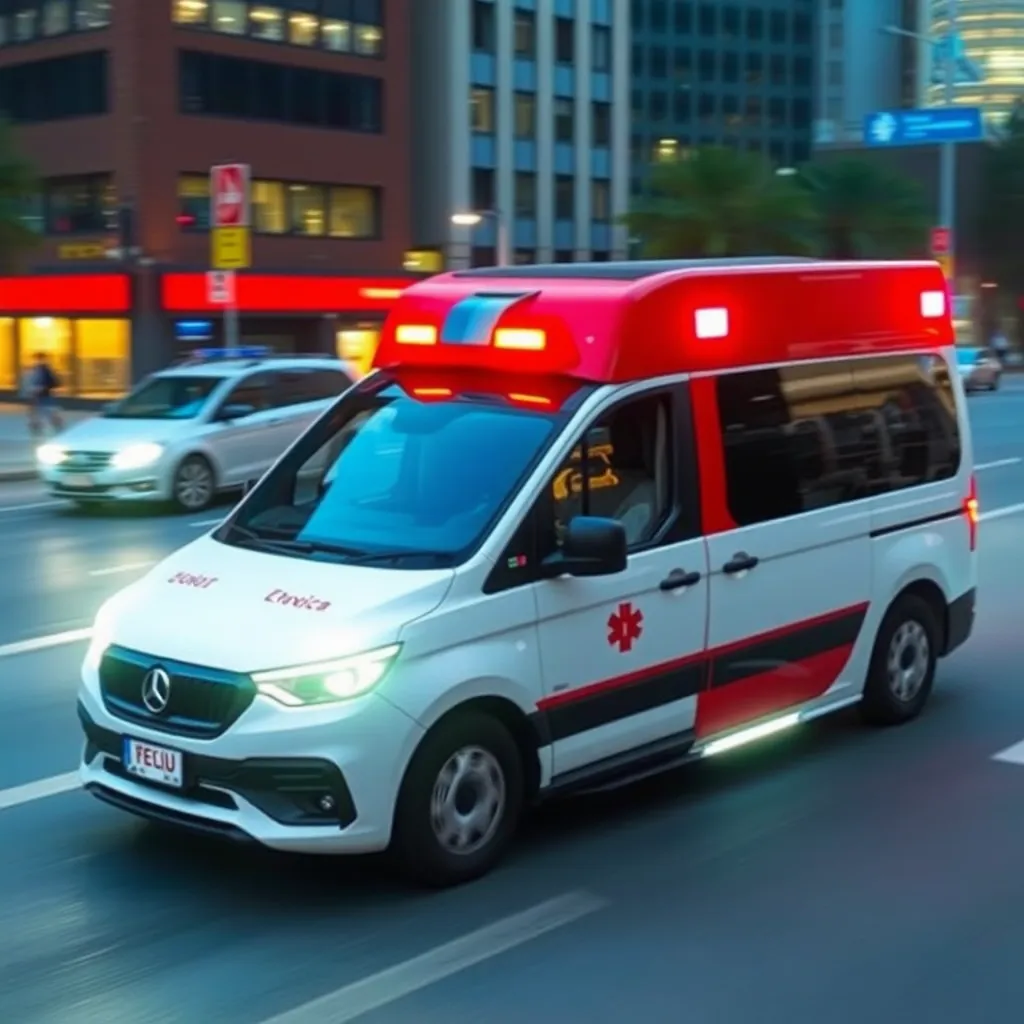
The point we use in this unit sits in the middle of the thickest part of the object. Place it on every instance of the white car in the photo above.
(212, 424)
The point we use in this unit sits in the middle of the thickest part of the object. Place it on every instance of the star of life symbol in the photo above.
(625, 627)
(883, 128)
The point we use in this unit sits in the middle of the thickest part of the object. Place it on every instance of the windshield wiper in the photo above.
(372, 557)
(259, 539)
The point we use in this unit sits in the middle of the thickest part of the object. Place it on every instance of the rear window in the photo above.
(801, 438)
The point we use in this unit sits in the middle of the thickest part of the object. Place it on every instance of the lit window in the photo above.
(369, 40)
(269, 210)
(352, 213)
(481, 110)
(337, 35)
(303, 29)
(8, 355)
(25, 23)
(229, 16)
(191, 12)
(80, 205)
(267, 22)
(194, 201)
(56, 17)
(525, 115)
(50, 337)
(102, 357)
(92, 14)
(307, 206)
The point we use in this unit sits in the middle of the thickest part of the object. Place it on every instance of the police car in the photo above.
(209, 424)
(583, 523)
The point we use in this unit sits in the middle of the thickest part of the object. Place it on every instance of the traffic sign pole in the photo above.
(947, 154)
(229, 237)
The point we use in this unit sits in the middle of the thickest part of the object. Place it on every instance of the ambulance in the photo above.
(582, 523)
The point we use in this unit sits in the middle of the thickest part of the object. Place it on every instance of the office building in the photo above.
(128, 104)
(520, 115)
(989, 61)
(737, 74)
(863, 65)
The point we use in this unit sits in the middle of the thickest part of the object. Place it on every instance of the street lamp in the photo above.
(947, 152)
(474, 218)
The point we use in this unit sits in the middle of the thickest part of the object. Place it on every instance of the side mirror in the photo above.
(593, 546)
(234, 411)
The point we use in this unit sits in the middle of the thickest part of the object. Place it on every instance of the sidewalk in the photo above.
(17, 446)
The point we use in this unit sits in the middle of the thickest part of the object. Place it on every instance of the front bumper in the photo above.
(150, 483)
(264, 785)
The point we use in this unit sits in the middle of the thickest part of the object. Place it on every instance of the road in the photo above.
(834, 874)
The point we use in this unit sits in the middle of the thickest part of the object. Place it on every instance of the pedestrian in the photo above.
(1001, 345)
(40, 384)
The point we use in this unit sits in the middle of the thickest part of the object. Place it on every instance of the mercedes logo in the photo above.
(156, 690)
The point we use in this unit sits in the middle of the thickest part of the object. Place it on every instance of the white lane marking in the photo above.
(1006, 510)
(18, 795)
(997, 464)
(208, 522)
(128, 567)
(32, 505)
(41, 643)
(388, 986)
(1011, 755)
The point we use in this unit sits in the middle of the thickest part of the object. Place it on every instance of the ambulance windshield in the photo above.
(393, 479)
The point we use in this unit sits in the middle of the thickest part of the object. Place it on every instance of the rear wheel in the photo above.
(903, 662)
(460, 801)
(194, 486)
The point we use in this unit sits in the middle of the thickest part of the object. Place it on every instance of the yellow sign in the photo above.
(230, 249)
(423, 261)
(945, 261)
(82, 251)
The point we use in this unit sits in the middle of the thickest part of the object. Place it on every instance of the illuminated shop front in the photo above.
(80, 323)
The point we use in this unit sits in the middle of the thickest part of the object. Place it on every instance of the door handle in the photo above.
(740, 562)
(679, 578)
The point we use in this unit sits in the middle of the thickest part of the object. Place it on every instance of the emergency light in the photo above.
(711, 323)
(246, 352)
(933, 304)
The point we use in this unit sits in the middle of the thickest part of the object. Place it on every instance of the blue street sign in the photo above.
(918, 127)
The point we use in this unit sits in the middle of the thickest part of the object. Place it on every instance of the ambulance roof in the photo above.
(615, 322)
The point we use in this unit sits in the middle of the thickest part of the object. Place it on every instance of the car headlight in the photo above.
(51, 454)
(327, 681)
(136, 456)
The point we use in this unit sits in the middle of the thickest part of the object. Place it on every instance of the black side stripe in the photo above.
(778, 651)
(911, 523)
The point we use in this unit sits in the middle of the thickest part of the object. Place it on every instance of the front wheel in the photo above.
(903, 662)
(193, 487)
(460, 802)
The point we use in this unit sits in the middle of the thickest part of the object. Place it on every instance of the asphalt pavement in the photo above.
(830, 875)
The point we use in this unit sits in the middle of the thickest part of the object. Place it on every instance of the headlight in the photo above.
(327, 681)
(51, 454)
(136, 456)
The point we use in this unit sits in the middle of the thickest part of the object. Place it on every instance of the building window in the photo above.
(525, 32)
(525, 115)
(194, 202)
(304, 29)
(91, 357)
(8, 354)
(601, 48)
(259, 91)
(601, 201)
(369, 40)
(56, 17)
(565, 120)
(26, 21)
(525, 187)
(565, 197)
(481, 109)
(191, 12)
(353, 212)
(755, 24)
(484, 29)
(90, 14)
(601, 129)
(51, 337)
(269, 208)
(483, 188)
(102, 357)
(564, 255)
(523, 257)
(81, 205)
(266, 23)
(565, 40)
(306, 204)
(229, 16)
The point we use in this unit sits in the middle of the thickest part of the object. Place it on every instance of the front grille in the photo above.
(85, 462)
(203, 702)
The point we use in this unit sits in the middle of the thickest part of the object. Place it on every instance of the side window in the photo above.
(621, 469)
(298, 386)
(801, 438)
(326, 384)
(256, 391)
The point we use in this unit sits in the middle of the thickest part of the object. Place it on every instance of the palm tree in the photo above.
(717, 202)
(18, 185)
(866, 211)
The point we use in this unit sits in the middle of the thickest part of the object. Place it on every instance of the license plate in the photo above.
(82, 480)
(155, 764)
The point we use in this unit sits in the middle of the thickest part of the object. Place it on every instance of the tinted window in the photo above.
(298, 386)
(807, 437)
(255, 391)
(55, 89)
(165, 398)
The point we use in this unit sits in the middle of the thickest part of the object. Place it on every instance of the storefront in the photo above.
(80, 322)
(101, 331)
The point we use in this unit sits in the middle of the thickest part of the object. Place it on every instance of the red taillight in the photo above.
(971, 511)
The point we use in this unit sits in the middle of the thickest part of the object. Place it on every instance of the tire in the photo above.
(194, 485)
(909, 637)
(488, 752)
